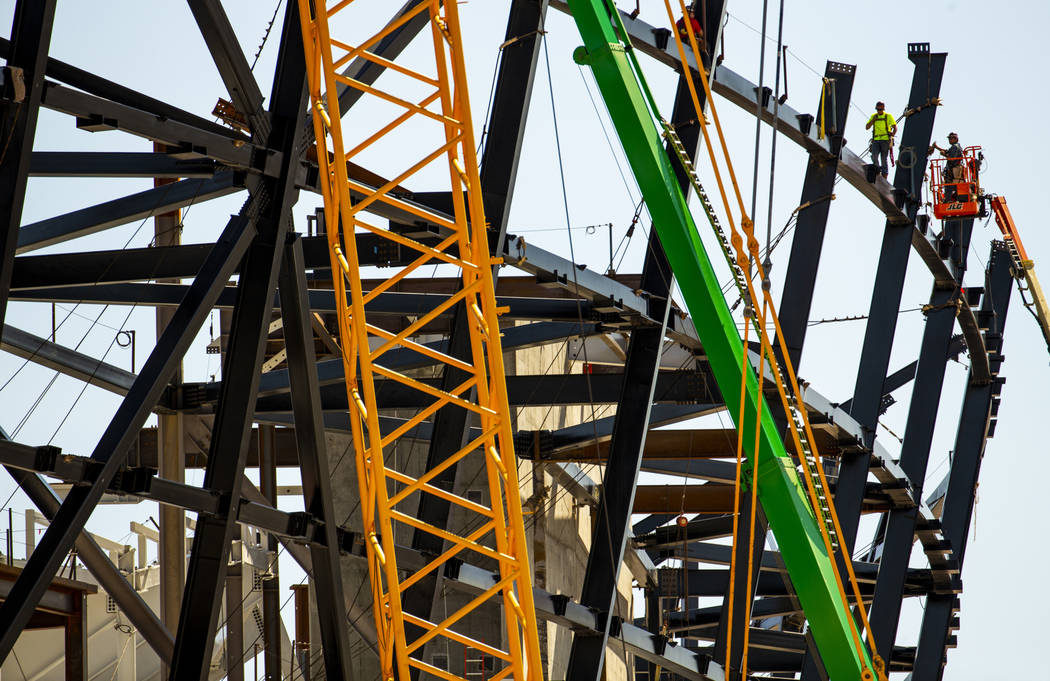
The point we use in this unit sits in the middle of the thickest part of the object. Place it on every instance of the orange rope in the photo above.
(736, 500)
(748, 227)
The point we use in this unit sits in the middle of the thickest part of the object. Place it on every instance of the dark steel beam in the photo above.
(638, 641)
(321, 300)
(514, 338)
(898, 379)
(630, 427)
(889, 285)
(851, 168)
(113, 446)
(69, 362)
(915, 455)
(808, 240)
(97, 114)
(980, 403)
(313, 459)
(522, 391)
(117, 164)
(233, 67)
(99, 564)
(817, 192)
(19, 109)
(107, 89)
(127, 209)
(206, 572)
(254, 509)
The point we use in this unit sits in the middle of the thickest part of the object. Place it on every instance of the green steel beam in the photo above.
(779, 490)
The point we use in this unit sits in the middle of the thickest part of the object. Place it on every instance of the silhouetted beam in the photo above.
(683, 499)
(715, 443)
(116, 164)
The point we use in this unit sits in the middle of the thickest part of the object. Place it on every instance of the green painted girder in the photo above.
(782, 496)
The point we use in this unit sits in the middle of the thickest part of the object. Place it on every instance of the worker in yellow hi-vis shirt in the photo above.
(885, 127)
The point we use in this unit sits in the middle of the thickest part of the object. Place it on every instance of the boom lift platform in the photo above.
(956, 190)
(955, 185)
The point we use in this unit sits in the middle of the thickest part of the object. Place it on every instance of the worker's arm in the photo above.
(871, 122)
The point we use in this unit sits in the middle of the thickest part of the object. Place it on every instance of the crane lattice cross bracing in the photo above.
(423, 125)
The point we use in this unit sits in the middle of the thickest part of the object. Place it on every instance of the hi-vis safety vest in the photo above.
(883, 123)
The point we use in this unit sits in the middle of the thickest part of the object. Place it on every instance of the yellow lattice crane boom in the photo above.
(1024, 267)
(419, 121)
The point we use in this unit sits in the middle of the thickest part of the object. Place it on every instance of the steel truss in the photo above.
(271, 164)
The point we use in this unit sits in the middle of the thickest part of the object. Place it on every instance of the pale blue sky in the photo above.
(992, 97)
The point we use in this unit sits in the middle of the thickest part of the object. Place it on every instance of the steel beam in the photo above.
(817, 193)
(121, 211)
(980, 403)
(741, 92)
(630, 427)
(915, 455)
(313, 459)
(889, 286)
(69, 362)
(19, 110)
(321, 300)
(233, 67)
(117, 164)
(113, 446)
(898, 379)
(808, 240)
(98, 563)
(107, 89)
(206, 573)
(522, 391)
(97, 114)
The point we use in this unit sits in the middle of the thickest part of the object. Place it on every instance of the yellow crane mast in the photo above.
(421, 122)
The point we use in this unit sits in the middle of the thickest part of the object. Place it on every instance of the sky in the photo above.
(989, 97)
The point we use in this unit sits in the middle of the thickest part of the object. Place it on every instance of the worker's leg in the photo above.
(880, 149)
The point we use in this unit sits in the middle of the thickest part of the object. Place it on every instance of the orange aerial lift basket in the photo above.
(954, 185)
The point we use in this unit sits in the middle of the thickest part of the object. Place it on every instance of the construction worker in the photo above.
(697, 30)
(885, 127)
(953, 169)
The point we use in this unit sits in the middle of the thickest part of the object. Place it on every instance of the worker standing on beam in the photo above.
(885, 127)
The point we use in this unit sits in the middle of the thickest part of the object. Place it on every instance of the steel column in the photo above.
(313, 460)
(113, 447)
(889, 285)
(234, 625)
(915, 455)
(970, 442)
(630, 426)
(19, 109)
(236, 405)
(814, 206)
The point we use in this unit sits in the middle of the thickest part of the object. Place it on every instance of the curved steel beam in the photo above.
(740, 91)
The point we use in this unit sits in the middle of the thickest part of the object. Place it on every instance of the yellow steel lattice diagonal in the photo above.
(414, 122)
